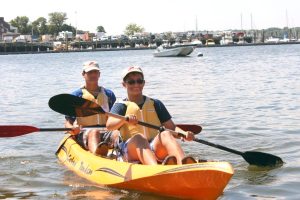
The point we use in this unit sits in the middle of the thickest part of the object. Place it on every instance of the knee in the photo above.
(166, 135)
(139, 140)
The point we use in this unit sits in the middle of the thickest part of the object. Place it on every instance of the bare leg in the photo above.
(139, 149)
(114, 137)
(93, 140)
(165, 144)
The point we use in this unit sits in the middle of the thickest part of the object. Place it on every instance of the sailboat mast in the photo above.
(287, 19)
(241, 21)
(196, 24)
(251, 21)
(287, 24)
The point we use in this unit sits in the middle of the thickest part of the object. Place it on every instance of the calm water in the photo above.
(246, 98)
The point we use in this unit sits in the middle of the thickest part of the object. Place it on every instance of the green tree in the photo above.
(133, 28)
(21, 22)
(40, 26)
(80, 32)
(169, 36)
(56, 21)
(66, 27)
(101, 29)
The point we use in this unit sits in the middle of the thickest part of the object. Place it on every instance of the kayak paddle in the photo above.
(252, 157)
(71, 105)
(18, 130)
(75, 106)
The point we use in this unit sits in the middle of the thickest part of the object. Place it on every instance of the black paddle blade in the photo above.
(71, 105)
(261, 159)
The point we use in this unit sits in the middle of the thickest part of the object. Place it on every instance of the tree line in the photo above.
(56, 24)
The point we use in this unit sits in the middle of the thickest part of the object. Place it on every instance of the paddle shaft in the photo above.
(218, 146)
(54, 129)
(66, 129)
(160, 128)
(196, 139)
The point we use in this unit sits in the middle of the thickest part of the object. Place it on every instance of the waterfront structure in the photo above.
(4, 26)
(82, 36)
(7, 32)
(12, 42)
(23, 38)
(47, 38)
(64, 35)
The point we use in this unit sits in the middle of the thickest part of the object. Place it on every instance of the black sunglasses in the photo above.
(138, 81)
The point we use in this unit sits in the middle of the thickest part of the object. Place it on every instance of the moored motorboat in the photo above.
(187, 50)
(205, 180)
(183, 50)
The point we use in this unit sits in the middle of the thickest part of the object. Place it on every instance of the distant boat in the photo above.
(210, 42)
(272, 40)
(172, 52)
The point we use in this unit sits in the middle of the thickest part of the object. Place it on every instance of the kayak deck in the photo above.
(199, 181)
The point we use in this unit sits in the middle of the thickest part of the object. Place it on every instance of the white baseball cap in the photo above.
(131, 69)
(90, 65)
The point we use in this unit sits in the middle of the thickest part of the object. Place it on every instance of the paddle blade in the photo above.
(190, 127)
(13, 131)
(261, 159)
(71, 105)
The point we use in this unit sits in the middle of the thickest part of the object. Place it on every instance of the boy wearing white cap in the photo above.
(140, 143)
(96, 140)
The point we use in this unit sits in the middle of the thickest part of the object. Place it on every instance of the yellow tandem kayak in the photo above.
(205, 180)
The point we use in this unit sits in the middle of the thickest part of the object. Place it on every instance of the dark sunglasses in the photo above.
(138, 81)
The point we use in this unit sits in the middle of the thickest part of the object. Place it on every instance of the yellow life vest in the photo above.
(98, 119)
(146, 114)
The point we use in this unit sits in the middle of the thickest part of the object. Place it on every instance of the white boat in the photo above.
(171, 52)
(272, 40)
(210, 42)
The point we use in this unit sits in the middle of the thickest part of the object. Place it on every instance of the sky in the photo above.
(158, 16)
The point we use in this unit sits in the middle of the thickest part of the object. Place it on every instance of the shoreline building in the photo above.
(7, 31)
(4, 27)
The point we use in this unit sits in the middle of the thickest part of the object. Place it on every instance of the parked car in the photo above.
(114, 38)
(133, 37)
(95, 39)
(104, 38)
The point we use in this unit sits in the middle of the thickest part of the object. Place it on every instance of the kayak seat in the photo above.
(102, 149)
(112, 156)
(170, 160)
(188, 160)
(202, 160)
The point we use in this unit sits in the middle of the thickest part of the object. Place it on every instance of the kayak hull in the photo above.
(198, 181)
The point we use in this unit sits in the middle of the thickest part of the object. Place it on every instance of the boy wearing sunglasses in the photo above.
(139, 143)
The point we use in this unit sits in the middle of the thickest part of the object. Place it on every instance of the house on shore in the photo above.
(7, 32)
